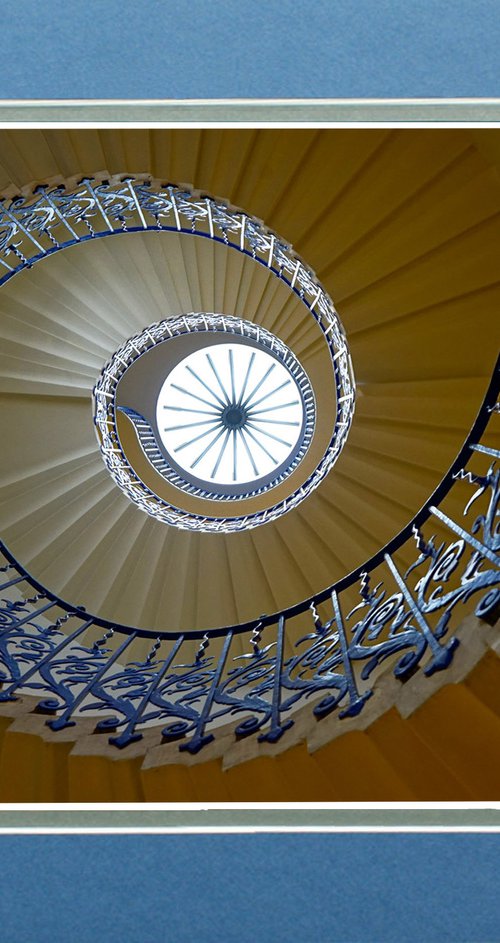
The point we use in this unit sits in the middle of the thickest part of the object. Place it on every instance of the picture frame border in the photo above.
(91, 818)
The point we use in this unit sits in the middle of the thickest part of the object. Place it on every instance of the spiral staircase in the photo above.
(402, 228)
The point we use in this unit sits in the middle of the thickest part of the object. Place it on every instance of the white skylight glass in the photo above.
(230, 414)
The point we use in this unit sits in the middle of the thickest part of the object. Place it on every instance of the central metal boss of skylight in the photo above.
(234, 415)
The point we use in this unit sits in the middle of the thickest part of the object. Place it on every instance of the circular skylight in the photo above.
(230, 414)
(223, 411)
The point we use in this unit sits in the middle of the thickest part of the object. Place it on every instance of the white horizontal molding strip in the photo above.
(250, 820)
(287, 111)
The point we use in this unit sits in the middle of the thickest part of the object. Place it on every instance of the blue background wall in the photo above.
(257, 48)
(321, 888)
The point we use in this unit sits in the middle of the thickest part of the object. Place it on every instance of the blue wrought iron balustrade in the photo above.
(35, 225)
(399, 608)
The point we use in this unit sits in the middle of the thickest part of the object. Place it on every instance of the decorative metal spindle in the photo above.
(256, 638)
(318, 625)
(65, 718)
(476, 544)
(97, 203)
(61, 620)
(422, 544)
(356, 700)
(22, 228)
(129, 733)
(35, 614)
(17, 579)
(7, 693)
(53, 205)
(278, 727)
(86, 222)
(136, 203)
(210, 219)
(200, 738)
(486, 450)
(31, 600)
(14, 247)
(442, 655)
(204, 644)
(174, 207)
